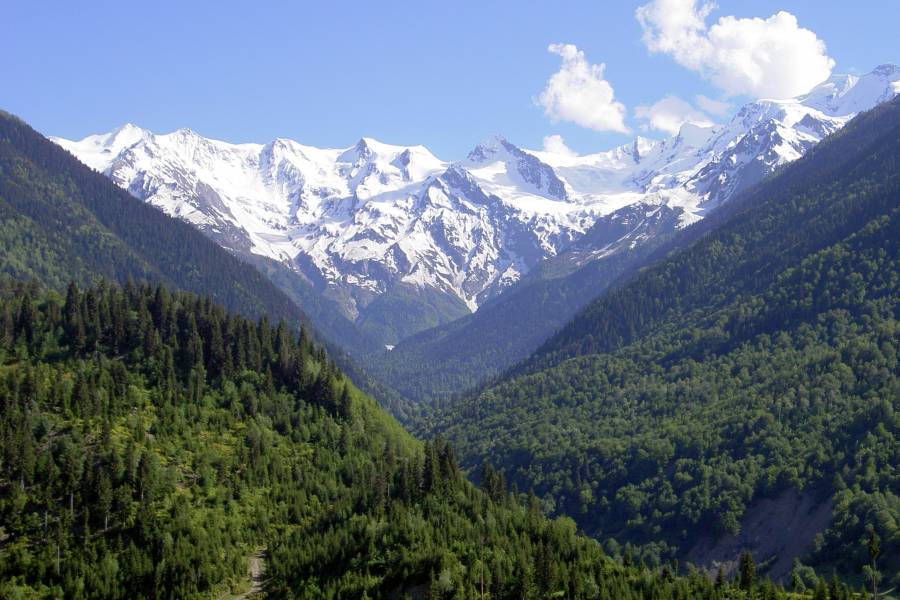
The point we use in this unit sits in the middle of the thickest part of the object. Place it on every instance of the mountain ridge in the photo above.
(360, 222)
(63, 222)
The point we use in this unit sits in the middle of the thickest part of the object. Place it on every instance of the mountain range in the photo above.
(683, 349)
(156, 444)
(402, 241)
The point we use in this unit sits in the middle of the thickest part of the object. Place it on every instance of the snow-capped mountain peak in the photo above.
(372, 218)
(693, 135)
(487, 149)
(842, 95)
(98, 151)
(505, 167)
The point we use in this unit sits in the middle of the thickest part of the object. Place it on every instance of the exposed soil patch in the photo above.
(775, 530)
(256, 569)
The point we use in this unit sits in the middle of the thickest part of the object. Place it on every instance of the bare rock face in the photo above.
(775, 530)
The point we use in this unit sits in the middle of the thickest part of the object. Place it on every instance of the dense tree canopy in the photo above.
(151, 441)
(761, 359)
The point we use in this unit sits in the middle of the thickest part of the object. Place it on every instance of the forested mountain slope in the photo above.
(439, 364)
(151, 443)
(450, 359)
(62, 221)
(819, 200)
(759, 361)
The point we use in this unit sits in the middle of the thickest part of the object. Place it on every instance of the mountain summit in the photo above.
(404, 240)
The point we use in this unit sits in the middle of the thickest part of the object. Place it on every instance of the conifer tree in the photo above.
(746, 572)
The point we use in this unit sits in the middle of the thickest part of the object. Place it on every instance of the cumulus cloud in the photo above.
(556, 145)
(579, 93)
(713, 107)
(669, 114)
(763, 58)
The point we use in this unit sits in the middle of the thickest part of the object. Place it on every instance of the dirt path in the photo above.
(256, 570)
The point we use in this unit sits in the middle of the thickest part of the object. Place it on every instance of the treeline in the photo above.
(150, 442)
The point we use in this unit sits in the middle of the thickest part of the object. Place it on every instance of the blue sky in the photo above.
(444, 74)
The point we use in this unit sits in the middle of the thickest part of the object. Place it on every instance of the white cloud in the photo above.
(556, 145)
(669, 114)
(578, 93)
(771, 58)
(713, 107)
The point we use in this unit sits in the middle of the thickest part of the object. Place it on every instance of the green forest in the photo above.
(759, 360)
(151, 442)
(436, 366)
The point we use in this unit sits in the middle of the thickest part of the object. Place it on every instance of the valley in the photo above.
(650, 350)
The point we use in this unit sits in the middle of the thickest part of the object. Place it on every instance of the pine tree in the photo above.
(797, 585)
(431, 477)
(834, 587)
(25, 322)
(74, 321)
(104, 498)
(746, 572)
(628, 557)
(720, 578)
(871, 572)
(345, 407)
(821, 591)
